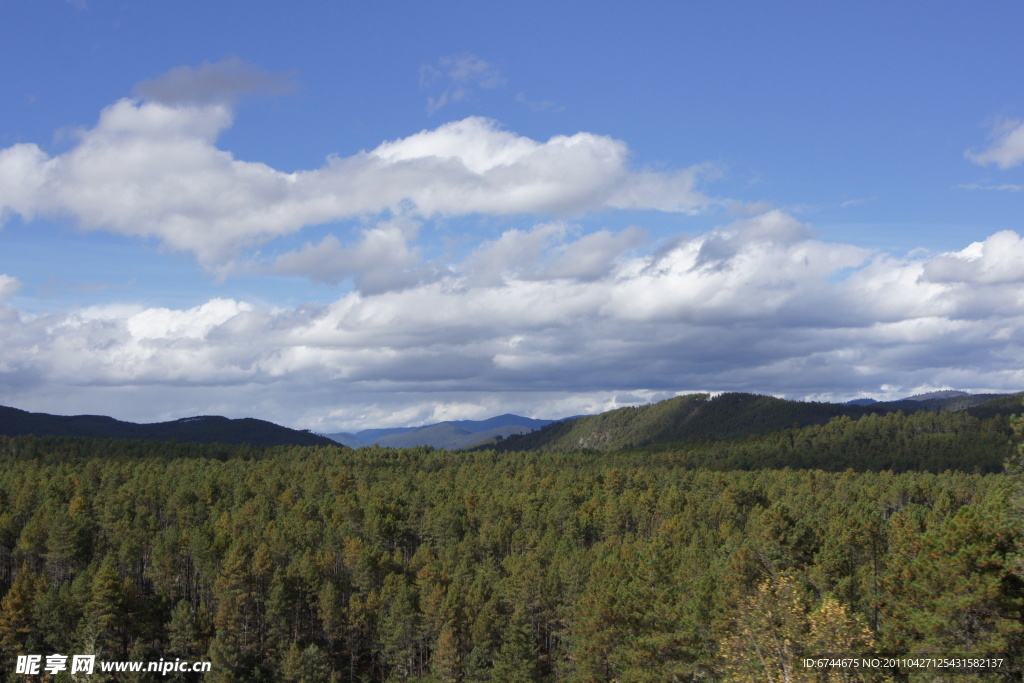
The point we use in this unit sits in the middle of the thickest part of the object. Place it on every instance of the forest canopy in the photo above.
(887, 533)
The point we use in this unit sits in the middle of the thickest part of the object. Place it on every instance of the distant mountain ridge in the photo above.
(687, 418)
(944, 393)
(452, 434)
(198, 429)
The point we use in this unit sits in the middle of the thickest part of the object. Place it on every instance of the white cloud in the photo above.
(592, 256)
(151, 169)
(672, 191)
(774, 310)
(771, 226)
(1006, 149)
(997, 260)
(381, 261)
(9, 286)
(194, 323)
(513, 254)
(549, 251)
(476, 144)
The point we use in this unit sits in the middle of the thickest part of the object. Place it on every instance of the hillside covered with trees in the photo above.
(198, 429)
(682, 421)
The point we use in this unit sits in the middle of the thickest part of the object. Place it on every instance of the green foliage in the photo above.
(310, 564)
(308, 665)
(517, 658)
(747, 431)
(16, 619)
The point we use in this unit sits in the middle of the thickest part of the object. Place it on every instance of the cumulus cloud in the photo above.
(592, 256)
(455, 77)
(9, 286)
(772, 227)
(549, 251)
(152, 169)
(517, 253)
(776, 310)
(997, 260)
(382, 260)
(1006, 147)
(192, 324)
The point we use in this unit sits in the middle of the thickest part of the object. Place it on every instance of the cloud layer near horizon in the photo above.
(758, 304)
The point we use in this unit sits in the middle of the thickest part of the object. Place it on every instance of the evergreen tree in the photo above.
(187, 631)
(332, 615)
(236, 598)
(399, 625)
(16, 621)
(309, 665)
(517, 658)
(444, 656)
(477, 668)
(100, 629)
(228, 662)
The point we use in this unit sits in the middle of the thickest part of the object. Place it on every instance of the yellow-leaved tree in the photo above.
(779, 625)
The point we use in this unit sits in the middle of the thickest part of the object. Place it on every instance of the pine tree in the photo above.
(332, 614)
(226, 658)
(309, 665)
(517, 658)
(55, 616)
(444, 656)
(16, 622)
(62, 546)
(399, 625)
(236, 599)
(101, 622)
(186, 634)
(477, 668)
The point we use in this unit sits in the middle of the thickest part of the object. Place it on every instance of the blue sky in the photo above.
(344, 215)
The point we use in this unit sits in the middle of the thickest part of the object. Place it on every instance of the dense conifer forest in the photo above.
(709, 559)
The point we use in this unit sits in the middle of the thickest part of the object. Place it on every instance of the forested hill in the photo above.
(698, 418)
(202, 429)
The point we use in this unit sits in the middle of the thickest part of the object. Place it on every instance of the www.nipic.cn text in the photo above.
(87, 664)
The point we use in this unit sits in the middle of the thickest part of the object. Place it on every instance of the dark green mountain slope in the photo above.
(997, 404)
(700, 418)
(614, 430)
(923, 441)
(202, 429)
